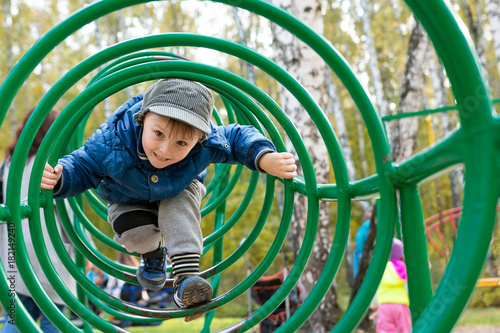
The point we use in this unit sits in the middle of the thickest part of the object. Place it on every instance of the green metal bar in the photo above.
(426, 112)
(77, 139)
(476, 139)
(254, 178)
(14, 310)
(77, 210)
(456, 50)
(415, 249)
(220, 217)
(430, 161)
(80, 292)
(103, 262)
(106, 308)
(331, 267)
(99, 207)
(418, 113)
(95, 98)
(4, 213)
(98, 88)
(50, 40)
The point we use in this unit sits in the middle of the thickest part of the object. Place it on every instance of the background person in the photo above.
(21, 289)
(393, 312)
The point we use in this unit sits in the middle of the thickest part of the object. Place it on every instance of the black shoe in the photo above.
(151, 273)
(191, 290)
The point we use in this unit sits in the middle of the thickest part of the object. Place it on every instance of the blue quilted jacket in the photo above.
(113, 160)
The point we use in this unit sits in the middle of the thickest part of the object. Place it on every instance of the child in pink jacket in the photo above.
(393, 313)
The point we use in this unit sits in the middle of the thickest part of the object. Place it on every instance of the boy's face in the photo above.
(163, 145)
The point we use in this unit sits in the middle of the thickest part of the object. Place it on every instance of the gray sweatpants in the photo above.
(178, 223)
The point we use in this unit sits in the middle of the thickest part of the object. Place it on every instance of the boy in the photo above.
(149, 160)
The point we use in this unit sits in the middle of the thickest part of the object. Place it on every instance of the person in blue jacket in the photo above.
(149, 161)
(359, 245)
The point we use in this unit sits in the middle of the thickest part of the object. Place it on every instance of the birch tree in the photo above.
(6, 6)
(493, 12)
(333, 107)
(308, 68)
(99, 44)
(243, 41)
(378, 87)
(437, 80)
(405, 133)
(476, 30)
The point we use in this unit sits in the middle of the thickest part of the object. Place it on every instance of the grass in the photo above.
(480, 317)
(179, 326)
(471, 317)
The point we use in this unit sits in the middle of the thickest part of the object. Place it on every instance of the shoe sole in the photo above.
(148, 284)
(196, 292)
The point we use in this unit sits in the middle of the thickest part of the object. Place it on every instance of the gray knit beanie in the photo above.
(183, 100)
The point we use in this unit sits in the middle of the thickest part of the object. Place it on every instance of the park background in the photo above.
(385, 47)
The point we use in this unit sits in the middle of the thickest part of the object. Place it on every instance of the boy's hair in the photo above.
(183, 100)
(185, 130)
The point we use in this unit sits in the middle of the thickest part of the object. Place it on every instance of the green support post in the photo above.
(415, 249)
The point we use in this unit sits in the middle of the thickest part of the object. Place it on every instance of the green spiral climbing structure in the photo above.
(475, 144)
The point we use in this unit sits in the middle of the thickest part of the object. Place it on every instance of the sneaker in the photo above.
(191, 290)
(151, 273)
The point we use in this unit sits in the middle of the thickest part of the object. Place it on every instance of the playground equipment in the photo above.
(473, 144)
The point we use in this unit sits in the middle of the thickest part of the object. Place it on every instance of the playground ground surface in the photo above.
(477, 329)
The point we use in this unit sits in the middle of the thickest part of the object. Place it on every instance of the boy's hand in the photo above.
(50, 176)
(281, 165)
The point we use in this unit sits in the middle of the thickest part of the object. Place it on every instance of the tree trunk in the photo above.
(243, 41)
(366, 324)
(437, 80)
(373, 63)
(361, 143)
(480, 42)
(405, 133)
(8, 55)
(99, 44)
(308, 68)
(493, 12)
(334, 108)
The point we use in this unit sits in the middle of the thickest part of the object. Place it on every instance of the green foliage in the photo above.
(485, 297)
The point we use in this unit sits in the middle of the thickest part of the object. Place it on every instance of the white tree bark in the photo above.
(405, 133)
(333, 107)
(437, 81)
(6, 6)
(361, 140)
(243, 41)
(308, 68)
(373, 63)
(99, 45)
(493, 11)
(120, 36)
(480, 42)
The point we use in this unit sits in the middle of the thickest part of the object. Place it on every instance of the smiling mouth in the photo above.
(160, 158)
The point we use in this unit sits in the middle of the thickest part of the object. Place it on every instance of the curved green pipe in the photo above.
(61, 120)
(456, 50)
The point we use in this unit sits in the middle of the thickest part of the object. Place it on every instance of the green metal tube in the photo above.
(63, 111)
(415, 249)
(456, 50)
